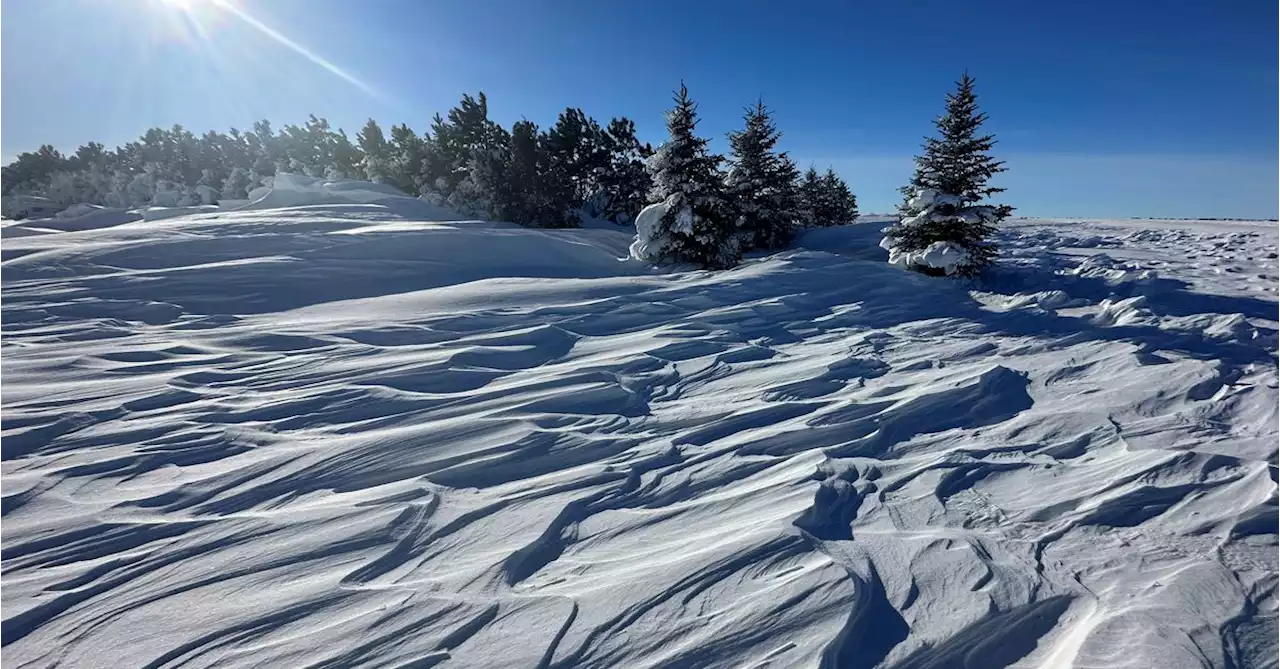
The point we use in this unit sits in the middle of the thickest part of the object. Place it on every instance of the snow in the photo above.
(651, 242)
(938, 255)
(332, 432)
(77, 217)
(946, 256)
(291, 190)
(161, 213)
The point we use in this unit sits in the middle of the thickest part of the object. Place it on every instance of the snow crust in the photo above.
(337, 434)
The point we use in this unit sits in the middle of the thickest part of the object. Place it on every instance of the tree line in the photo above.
(705, 209)
(465, 160)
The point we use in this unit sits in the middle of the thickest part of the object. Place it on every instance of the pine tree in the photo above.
(481, 191)
(841, 204)
(406, 159)
(941, 201)
(373, 144)
(697, 224)
(579, 147)
(237, 184)
(813, 206)
(534, 193)
(625, 185)
(826, 199)
(762, 183)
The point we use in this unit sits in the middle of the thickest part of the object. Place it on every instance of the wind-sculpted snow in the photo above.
(326, 436)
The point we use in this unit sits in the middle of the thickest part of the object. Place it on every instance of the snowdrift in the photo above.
(84, 217)
(293, 190)
(332, 435)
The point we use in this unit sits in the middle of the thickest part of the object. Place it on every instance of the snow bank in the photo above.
(295, 190)
(161, 213)
(256, 261)
(88, 217)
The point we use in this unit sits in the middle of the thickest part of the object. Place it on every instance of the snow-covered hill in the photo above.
(330, 436)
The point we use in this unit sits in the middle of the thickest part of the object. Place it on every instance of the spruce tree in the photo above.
(762, 183)
(535, 194)
(941, 203)
(625, 184)
(697, 226)
(578, 146)
(812, 198)
(841, 206)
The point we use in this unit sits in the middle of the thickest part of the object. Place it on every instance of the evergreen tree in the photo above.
(826, 199)
(625, 185)
(841, 205)
(951, 178)
(481, 191)
(812, 196)
(578, 147)
(535, 194)
(407, 153)
(456, 139)
(762, 183)
(377, 152)
(236, 185)
(697, 225)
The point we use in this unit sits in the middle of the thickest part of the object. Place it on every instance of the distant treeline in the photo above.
(465, 160)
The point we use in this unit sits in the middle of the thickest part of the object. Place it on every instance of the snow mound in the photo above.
(251, 261)
(295, 190)
(81, 217)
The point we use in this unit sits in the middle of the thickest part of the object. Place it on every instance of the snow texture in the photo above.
(334, 433)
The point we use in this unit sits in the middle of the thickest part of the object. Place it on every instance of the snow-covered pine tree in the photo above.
(692, 221)
(940, 215)
(373, 144)
(237, 184)
(406, 159)
(482, 191)
(761, 183)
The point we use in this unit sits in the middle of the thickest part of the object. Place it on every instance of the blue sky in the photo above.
(1102, 108)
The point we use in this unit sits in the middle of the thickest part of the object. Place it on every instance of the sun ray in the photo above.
(294, 46)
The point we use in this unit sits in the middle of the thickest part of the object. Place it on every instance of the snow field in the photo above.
(341, 435)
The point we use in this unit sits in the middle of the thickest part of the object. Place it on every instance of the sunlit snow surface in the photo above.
(328, 436)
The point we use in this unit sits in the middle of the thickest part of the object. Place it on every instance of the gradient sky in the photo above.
(1102, 108)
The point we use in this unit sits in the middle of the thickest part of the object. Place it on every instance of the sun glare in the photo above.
(194, 21)
(188, 5)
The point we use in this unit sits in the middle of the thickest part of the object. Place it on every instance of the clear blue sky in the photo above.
(1102, 108)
